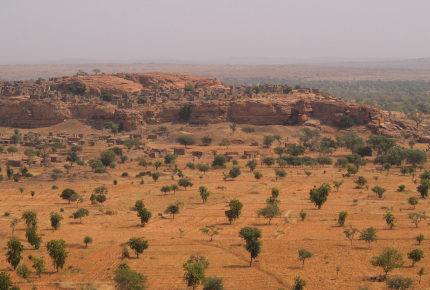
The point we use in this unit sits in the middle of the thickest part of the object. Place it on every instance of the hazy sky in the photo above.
(201, 30)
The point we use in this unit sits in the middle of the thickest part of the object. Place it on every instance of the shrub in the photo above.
(115, 182)
(124, 174)
(248, 129)
(346, 121)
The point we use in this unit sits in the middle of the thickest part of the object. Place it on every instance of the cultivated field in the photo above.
(278, 262)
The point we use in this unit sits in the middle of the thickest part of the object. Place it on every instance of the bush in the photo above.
(7, 213)
(248, 129)
(115, 182)
(191, 165)
(106, 96)
(124, 174)
(189, 88)
(401, 187)
(142, 100)
(100, 170)
(346, 121)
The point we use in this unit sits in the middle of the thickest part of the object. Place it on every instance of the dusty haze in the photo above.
(221, 31)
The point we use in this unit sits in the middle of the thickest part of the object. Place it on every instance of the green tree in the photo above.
(23, 271)
(420, 273)
(224, 142)
(5, 282)
(57, 252)
(369, 235)
(303, 255)
(381, 143)
(185, 183)
(233, 127)
(127, 279)
(319, 195)
(419, 238)
(165, 189)
(269, 161)
(388, 260)
(258, 175)
(185, 140)
(269, 212)
(279, 150)
(337, 184)
(235, 210)
(415, 255)
(107, 158)
(390, 219)
(96, 70)
(346, 121)
(299, 283)
(211, 230)
(88, 240)
(194, 274)
(296, 150)
(80, 213)
(342, 218)
(55, 220)
(252, 164)
(206, 140)
(13, 254)
(415, 157)
(417, 217)
(142, 212)
(219, 161)
(39, 265)
(413, 201)
(29, 217)
(350, 233)
(424, 187)
(204, 193)
(173, 208)
(253, 245)
(379, 191)
(155, 176)
(69, 194)
(268, 140)
(203, 168)
(234, 172)
(32, 236)
(361, 181)
(12, 149)
(157, 164)
(138, 245)
(9, 172)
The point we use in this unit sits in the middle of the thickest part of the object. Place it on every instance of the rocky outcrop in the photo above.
(33, 114)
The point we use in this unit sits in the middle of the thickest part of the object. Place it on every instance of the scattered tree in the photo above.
(13, 254)
(80, 213)
(319, 195)
(138, 245)
(303, 255)
(369, 235)
(235, 210)
(390, 219)
(342, 218)
(253, 245)
(57, 252)
(388, 260)
(417, 217)
(415, 255)
(211, 230)
(55, 220)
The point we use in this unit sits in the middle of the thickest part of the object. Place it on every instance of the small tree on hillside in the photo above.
(319, 195)
(80, 213)
(174, 208)
(369, 235)
(138, 245)
(415, 255)
(235, 210)
(185, 183)
(57, 252)
(211, 230)
(350, 233)
(303, 255)
(56, 218)
(379, 191)
(417, 217)
(269, 212)
(342, 218)
(390, 219)
(185, 140)
(253, 245)
(206, 140)
(388, 260)
(413, 201)
(13, 254)
(88, 240)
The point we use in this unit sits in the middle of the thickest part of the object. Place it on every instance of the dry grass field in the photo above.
(278, 262)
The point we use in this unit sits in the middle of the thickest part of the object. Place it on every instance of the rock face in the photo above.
(33, 114)
(280, 112)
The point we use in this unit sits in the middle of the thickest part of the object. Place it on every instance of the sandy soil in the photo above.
(278, 262)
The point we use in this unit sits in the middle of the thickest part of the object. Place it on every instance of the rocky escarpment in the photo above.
(33, 114)
(274, 111)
